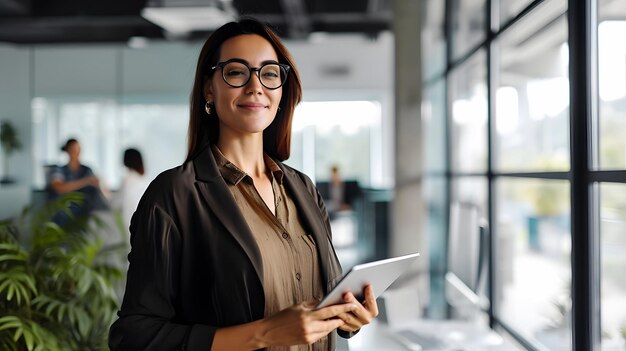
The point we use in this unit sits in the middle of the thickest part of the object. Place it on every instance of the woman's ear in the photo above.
(208, 91)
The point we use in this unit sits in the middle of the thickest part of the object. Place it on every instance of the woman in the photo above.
(76, 177)
(133, 185)
(231, 250)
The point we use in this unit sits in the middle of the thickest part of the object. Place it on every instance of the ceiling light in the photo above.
(137, 42)
(181, 20)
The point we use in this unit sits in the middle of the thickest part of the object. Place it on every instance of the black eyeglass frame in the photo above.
(284, 66)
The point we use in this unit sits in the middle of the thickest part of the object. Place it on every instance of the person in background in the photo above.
(232, 250)
(133, 185)
(76, 177)
(340, 195)
(337, 191)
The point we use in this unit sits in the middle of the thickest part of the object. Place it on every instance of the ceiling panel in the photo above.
(73, 21)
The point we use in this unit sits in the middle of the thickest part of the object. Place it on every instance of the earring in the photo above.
(207, 108)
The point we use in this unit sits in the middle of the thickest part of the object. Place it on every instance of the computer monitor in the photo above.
(467, 258)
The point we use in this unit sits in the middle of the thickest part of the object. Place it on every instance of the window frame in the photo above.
(583, 151)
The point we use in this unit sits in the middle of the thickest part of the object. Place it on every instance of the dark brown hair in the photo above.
(133, 160)
(67, 144)
(204, 128)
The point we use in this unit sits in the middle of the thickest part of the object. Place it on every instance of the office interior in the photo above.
(488, 135)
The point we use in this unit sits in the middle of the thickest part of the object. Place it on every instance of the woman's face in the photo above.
(251, 108)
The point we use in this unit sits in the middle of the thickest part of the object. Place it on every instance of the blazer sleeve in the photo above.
(147, 316)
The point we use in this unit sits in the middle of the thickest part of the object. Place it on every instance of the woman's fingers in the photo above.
(332, 324)
(350, 316)
(335, 310)
(368, 305)
(363, 314)
(302, 324)
(322, 329)
(325, 321)
(351, 323)
(370, 301)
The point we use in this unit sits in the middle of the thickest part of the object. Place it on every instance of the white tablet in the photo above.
(380, 274)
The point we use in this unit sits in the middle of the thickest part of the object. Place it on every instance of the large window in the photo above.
(468, 19)
(468, 96)
(613, 246)
(532, 93)
(435, 190)
(331, 133)
(534, 129)
(324, 134)
(611, 159)
(433, 127)
(532, 257)
(612, 84)
(104, 129)
(433, 39)
(504, 10)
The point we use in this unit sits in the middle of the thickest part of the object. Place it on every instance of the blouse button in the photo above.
(285, 236)
(298, 276)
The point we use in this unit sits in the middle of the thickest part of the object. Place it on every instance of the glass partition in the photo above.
(433, 39)
(505, 10)
(90, 120)
(613, 265)
(468, 25)
(156, 126)
(436, 225)
(612, 84)
(342, 130)
(532, 93)
(471, 190)
(468, 106)
(434, 127)
(533, 260)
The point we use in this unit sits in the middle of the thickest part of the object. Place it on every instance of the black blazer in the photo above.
(194, 264)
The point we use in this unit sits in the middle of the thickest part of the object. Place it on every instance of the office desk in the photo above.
(457, 335)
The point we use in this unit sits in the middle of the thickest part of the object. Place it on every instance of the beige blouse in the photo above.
(290, 262)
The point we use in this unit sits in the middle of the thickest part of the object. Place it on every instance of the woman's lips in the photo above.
(253, 106)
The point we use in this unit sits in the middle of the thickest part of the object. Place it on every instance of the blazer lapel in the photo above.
(215, 192)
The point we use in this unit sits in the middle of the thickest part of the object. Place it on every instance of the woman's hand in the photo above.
(363, 314)
(302, 324)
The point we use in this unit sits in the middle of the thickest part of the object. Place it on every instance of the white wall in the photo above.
(341, 63)
(69, 70)
(161, 67)
(15, 106)
(345, 62)
(15, 94)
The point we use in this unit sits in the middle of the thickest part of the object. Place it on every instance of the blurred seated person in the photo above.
(339, 195)
(76, 177)
(133, 185)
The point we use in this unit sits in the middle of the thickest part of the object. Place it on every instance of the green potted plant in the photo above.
(58, 285)
(10, 142)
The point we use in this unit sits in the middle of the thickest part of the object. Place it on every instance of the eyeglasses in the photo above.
(237, 73)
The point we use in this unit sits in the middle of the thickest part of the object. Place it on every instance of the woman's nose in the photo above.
(254, 84)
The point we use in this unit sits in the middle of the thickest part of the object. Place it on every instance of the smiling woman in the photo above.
(233, 249)
(244, 105)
